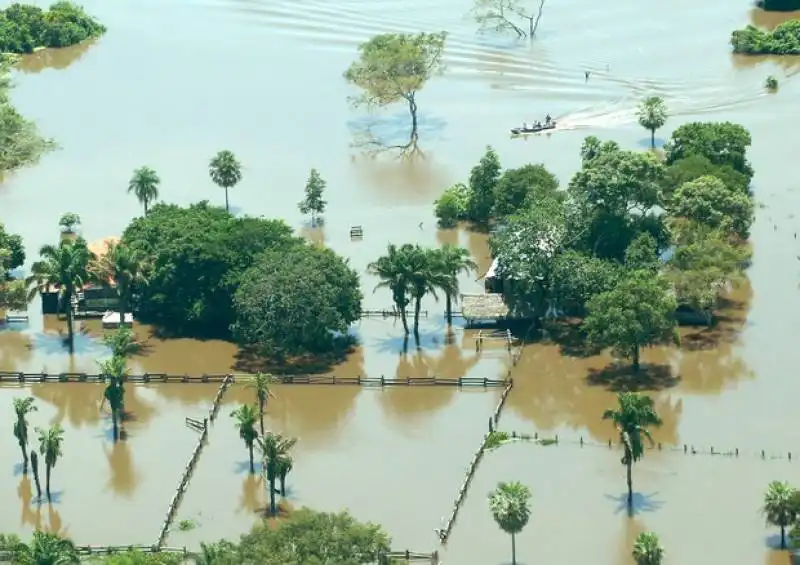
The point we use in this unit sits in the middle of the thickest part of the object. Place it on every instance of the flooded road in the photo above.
(269, 88)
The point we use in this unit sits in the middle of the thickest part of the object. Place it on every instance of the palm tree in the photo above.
(510, 504)
(393, 274)
(647, 549)
(46, 549)
(23, 407)
(274, 448)
(66, 268)
(636, 412)
(225, 171)
(35, 469)
(144, 184)
(50, 442)
(424, 277)
(246, 417)
(781, 506)
(261, 383)
(452, 261)
(652, 114)
(115, 369)
(285, 465)
(125, 268)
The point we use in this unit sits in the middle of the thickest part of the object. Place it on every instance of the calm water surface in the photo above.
(155, 90)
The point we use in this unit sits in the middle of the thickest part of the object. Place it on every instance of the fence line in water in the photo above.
(155, 378)
(685, 449)
(189, 470)
(494, 419)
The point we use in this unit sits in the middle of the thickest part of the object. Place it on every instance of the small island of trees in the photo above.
(25, 28)
(783, 40)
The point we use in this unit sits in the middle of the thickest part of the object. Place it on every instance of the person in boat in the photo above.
(524, 125)
(548, 119)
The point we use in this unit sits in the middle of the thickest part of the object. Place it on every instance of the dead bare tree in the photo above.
(497, 15)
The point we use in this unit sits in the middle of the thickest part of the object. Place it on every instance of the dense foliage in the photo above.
(783, 40)
(24, 27)
(779, 5)
(291, 302)
(198, 256)
(12, 251)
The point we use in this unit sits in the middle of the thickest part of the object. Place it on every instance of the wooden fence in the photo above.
(391, 313)
(23, 378)
(190, 466)
(409, 556)
(444, 533)
(113, 549)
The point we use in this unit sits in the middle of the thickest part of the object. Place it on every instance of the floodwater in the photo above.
(269, 88)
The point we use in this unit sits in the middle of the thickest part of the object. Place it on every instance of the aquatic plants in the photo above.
(225, 171)
(24, 27)
(771, 83)
(510, 506)
(783, 40)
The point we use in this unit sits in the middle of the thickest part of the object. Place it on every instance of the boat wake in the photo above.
(594, 118)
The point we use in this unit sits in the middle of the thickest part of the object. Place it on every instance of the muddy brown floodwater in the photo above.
(269, 88)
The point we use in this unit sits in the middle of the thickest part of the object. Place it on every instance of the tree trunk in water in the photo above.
(417, 306)
(145, 207)
(513, 549)
(115, 422)
(272, 509)
(783, 537)
(252, 463)
(261, 407)
(227, 207)
(70, 331)
(35, 468)
(629, 468)
(636, 364)
(412, 107)
(47, 481)
(449, 309)
(283, 484)
(652, 139)
(22, 446)
(404, 319)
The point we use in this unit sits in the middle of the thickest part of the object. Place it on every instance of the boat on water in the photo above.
(534, 128)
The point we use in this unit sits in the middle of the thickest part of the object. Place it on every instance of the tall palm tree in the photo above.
(392, 271)
(781, 506)
(274, 448)
(452, 261)
(64, 267)
(635, 414)
(225, 171)
(144, 184)
(424, 277)
(647, 549)
(23, 407)
(510, 504)
(125, 268)
(50, 443)
(115, 369)
(261, 384)
(246, 417)
(46, 549)
(652, 115)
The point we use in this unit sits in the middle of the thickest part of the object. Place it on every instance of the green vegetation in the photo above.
(225, 171)
(647, 549)
(783, 40)
(771, 83)
(187, 525)
(24, 27)
(51, 441)
(246, 417)
(276, 462)
(125, 268)
(144, 185)
(394, 67)
(22, 408)
(313, 202)
(781, 507)
(510, 505)
(13, 293)
(115, 370)
(68, 222)
(500, 15)
(652, 115)
(262, 383)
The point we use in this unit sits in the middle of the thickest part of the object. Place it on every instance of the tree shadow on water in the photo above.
(642, 503)
(570, 338)
(622, 377)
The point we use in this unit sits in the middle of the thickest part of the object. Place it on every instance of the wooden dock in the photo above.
(233, 378)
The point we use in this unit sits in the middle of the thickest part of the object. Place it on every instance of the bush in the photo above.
(771, 83)
(23, 27)
(452, 206)
(783, 40)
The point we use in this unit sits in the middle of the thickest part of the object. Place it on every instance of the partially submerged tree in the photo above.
(115, 370)
(274, 450)
(781, 507)
(635, 414)
(451, 261)
(23, 407)
(394, 67)
(246, 417)
(262, 383)
(500, 15)
(510, 505)
(313, 202)
(225, 171)
(652, 115)
(50, 443)
(647, 549)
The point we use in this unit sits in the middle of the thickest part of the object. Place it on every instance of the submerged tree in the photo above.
(226, 171)
(313, 202)
(498, 15)
(511, 509)
(64, 268)
(144, 185)
(647, 549)
(652, 115)
(115, 370)
(285, 465)
(35, 469)
(392, 272)
(50, 443)
(395, 66)
(23, 407)
(635, 414)
(261, 384)
(781, 506)
(246, 417)
(274, 451)
(451, 261)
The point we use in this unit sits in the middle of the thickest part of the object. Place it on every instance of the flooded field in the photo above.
(376, 453)
(279, 102)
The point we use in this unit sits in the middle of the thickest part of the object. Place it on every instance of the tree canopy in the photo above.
(783, 40)
(652, 115)
(706, 200)
(722, 143)
(14, 249)
(24, 27)
(198, 255)
(290, 301)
